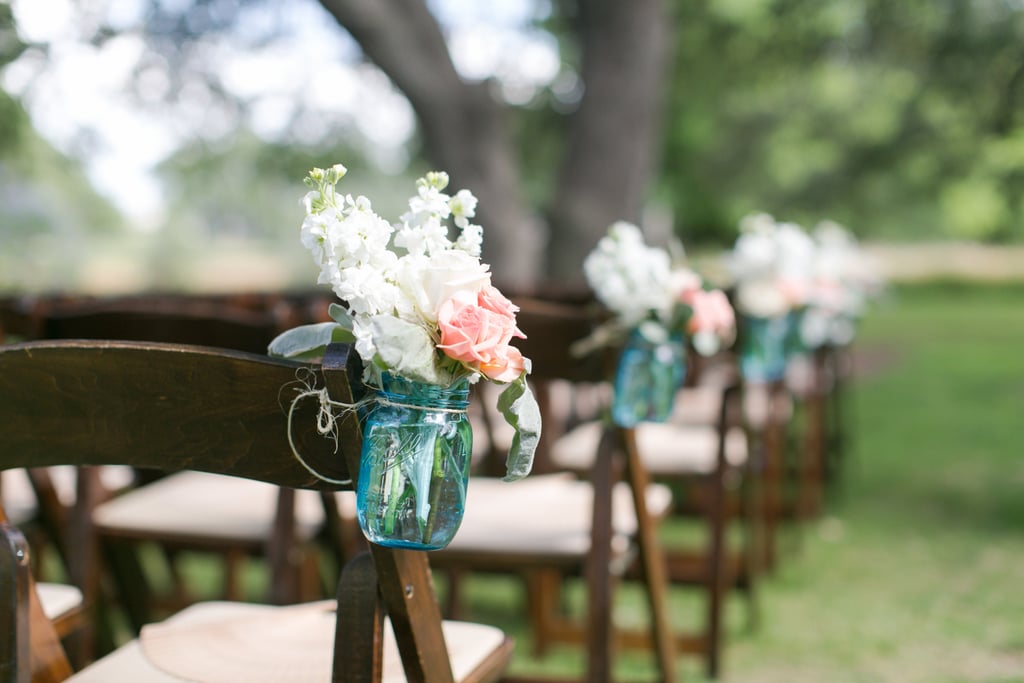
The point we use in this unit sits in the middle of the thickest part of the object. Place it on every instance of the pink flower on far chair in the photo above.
(477, 330)
(711, 312)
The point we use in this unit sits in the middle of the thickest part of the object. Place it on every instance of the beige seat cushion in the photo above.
(665, 448)
(697, 405)
(223, 642)
(19, 499)
(58, 599)
(192, 505)
(543, 515)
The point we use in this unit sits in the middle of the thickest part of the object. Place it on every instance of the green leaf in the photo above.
(307, 340)
(407, 349)
(520, 409)
(340, 315)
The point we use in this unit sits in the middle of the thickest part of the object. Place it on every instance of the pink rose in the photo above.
(711, 312)
(505, 369)
(493, 300)
(476, 329)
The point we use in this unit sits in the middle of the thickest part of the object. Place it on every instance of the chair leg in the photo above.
(752, 511)
(359, 634)
(453, 604)
(134, 594)
(597, 573)
(716, 579)
(234, 559)
(544, 598)
(652, 560)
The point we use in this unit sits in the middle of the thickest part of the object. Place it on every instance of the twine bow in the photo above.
(326, 418)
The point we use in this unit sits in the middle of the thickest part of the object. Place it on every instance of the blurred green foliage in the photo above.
(900, 119)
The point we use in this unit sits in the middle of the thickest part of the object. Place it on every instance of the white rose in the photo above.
(429, 281)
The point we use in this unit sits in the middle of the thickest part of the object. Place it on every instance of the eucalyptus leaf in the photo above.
(519, 407)
(307, 340)
(340, 315)
(407, 349)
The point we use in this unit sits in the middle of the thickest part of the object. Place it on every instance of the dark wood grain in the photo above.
(160, 406)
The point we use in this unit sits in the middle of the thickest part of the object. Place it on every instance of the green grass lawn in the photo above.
(915, 573)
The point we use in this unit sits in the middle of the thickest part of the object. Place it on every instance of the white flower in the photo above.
(471, 240)
(772, 264)
(427, 237)
(362, 329)
(430, 202)
(630, 278)
(428, 281)
(355, 249)
(368, 290)
(463, 207)
(762, 298)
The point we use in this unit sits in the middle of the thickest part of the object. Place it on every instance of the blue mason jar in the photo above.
(795, 345)
(763, 348)
(414, 466)
(650, 370)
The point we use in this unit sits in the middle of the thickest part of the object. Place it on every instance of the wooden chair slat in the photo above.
(215, 413)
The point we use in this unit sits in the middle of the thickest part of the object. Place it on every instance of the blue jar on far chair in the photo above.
(650, 370)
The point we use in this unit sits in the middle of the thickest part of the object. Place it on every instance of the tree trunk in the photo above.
(612, 152)
(610, 158)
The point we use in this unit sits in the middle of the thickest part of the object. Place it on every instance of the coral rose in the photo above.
(476, 329)
(711, 311)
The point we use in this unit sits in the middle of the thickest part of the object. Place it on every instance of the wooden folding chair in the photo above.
(176, 513)
(173, 408)
(817, 383)
(703, 454)
(551, 526)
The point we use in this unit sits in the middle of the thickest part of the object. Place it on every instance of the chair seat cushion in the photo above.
(197, 505)
(224, 642)
(697, 405)
(58, 599)
(543, 516)
(20, 500)
(666, 449)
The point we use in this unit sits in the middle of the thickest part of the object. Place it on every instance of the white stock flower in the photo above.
(429, 202)
(762, 298)
(463, 207)
(629, 277)
(772, 264)
(796, 252)
(471, 240)
(368, 290)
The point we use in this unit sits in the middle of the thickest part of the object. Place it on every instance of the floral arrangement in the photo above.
(823, 275)
(844, 280)
(414, 302)
(772, 265)
(645, 288)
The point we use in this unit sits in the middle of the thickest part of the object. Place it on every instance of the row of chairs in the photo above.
(600, 525)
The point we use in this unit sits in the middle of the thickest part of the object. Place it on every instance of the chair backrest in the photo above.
(172, 407)
(161, 406)
(180, 320)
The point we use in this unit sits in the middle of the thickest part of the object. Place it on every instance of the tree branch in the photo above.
(463, 128)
